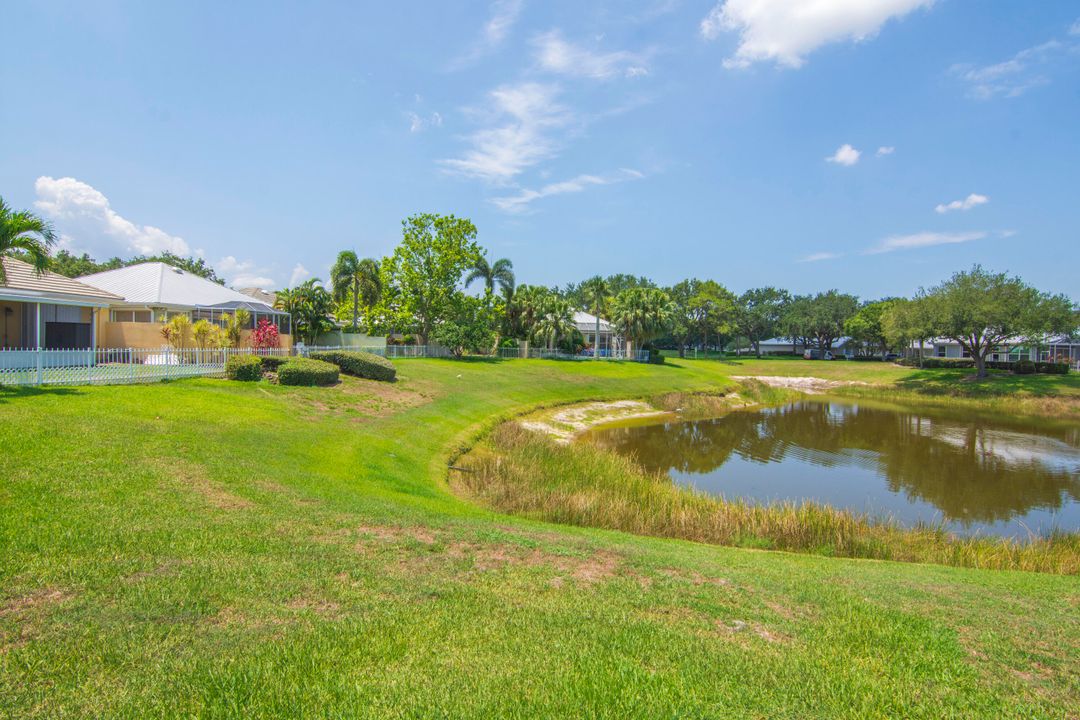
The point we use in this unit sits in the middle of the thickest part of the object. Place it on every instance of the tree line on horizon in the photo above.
(420, 293)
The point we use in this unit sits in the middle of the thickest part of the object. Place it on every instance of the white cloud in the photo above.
(819, 256)
(1074, 29)
(88, 222)
(1015, 76)
(519, 202)
(504, 15)
(972, 200)
(417, 123)
(522, 118)
(885, 150)
(299, 275)
(785, 31)
(923, 239)
(557, 55)
(244, 273)
(844, 155)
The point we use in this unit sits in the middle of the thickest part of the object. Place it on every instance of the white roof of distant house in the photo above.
(586, 322)
(157, 284)
(25, 285)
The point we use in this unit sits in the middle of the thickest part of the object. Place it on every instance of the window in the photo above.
(139, 316)
(941, 351)
(164, 315)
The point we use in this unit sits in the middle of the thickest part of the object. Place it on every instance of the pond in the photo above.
(976, 475)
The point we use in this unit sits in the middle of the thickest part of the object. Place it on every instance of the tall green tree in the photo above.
(907, 321)
(796, 322)
(596, 294)
(982, 311)
(71, 265)
(866, 326)
(26, 235)
(683, 320)
(471, 328)
(357, 280)
(759, 312)
(828, 312)
(421, 279)
(641, 314)
(500, 273)
(712, 308)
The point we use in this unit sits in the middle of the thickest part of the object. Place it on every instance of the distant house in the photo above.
(149, 293)
(50, 311)
(1062, 348)
(786, 346)
(607, 341)
(266, 298)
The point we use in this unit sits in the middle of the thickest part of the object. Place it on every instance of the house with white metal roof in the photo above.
(153, 292)
(605, 340)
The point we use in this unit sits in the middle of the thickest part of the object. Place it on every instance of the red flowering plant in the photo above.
(265, 336)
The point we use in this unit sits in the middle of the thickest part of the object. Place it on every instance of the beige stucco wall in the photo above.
(12, 328)
(148, 335)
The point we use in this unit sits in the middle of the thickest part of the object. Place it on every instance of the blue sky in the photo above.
(874, 147)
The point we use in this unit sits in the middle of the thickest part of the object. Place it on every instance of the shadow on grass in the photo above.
(14, 392)
(997, 383)
(482, 359)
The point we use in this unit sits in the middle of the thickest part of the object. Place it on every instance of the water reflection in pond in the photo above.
(996, 477)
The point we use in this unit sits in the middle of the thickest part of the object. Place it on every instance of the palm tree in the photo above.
(556, 321)
(641, 314)
(358, 279)
(25, 234)
(597, 294)
(311, 306)
(526, 307)
(501, 273)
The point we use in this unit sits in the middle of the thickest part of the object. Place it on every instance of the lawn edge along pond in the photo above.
(527, 466)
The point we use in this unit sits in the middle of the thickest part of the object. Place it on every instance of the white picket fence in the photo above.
(116, 366)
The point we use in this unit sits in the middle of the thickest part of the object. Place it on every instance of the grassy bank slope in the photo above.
(220, 549)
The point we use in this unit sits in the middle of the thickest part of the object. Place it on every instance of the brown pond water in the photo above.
(977, 475)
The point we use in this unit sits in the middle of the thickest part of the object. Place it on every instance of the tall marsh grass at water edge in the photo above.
(522, 472)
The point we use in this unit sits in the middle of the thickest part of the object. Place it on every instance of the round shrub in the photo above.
(360, 364)
(244, 367)
(305, 371)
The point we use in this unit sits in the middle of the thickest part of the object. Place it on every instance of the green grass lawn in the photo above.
(207, 548)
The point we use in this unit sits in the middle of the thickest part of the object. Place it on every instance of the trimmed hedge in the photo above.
(305, 371)
(1020, 367)
(244, 367)
(932, 363)
(360, 364)
(271, 363)
(1052, 368)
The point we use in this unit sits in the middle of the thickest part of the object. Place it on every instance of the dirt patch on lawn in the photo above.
(25, 603)
(422, 551)
(808, 385)
(358, 399)
(194, 477)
